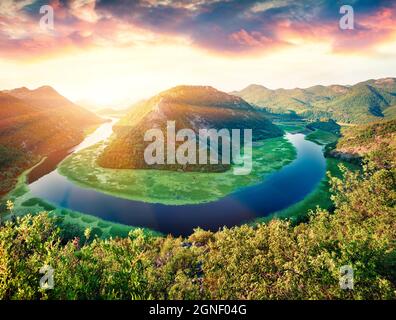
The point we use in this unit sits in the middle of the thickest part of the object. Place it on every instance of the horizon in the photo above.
(93, 105)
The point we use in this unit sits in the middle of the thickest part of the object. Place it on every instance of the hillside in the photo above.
(35, 123)
(193, 107)
(356, 142)
(361, 103)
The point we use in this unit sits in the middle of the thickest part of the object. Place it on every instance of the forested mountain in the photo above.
(35, 123)
(193, 107)
(361, 103)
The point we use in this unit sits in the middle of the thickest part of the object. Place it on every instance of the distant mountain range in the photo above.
(35, 123)
(364, 102)
(193, 107)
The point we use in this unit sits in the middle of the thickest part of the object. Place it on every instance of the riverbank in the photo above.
(151, 187)
(72, 223)
(169, 187)
(319, 197)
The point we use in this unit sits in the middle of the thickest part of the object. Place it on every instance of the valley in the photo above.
(159, 199)
(88, 188)
(296, 188)
(84, 187)
(217, 151)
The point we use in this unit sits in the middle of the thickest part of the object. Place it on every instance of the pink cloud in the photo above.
(84, 24)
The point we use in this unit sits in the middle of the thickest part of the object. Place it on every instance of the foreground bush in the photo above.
(276, 260)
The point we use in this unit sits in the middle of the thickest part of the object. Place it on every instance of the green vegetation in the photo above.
(39, 202)
(322, 137)
(275, 260)
(364, 102)
(369, 135)
(328, 126)
(12, 163)
(297, 258)
(358, 141)
(168, 187)
(71, 223)
(190, 107)
(292, 126)
(34, 124)
(319, 197)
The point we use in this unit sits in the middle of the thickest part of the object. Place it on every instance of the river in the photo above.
(277, 191)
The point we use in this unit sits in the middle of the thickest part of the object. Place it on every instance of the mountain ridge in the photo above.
(362, 102)
(36, 123)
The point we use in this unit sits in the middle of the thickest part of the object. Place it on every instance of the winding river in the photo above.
(277, 191)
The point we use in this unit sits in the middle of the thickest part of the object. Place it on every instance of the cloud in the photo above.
(220, 26)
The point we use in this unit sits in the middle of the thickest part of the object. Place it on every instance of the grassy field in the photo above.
(169, 187)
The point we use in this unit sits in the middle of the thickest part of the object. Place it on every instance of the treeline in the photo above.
(276, 260)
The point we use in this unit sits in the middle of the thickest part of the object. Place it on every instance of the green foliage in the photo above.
(37, 201)
(275, 260)
(364, 102)
(322, 137)
(362, 136)
(328, 126)
(13, 162)
(374, 140)
(25, 247)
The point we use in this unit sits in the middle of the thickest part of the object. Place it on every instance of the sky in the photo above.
(113, 53)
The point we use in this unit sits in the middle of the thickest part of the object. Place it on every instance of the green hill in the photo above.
(358, 141)
(193, 107)
(361, 103)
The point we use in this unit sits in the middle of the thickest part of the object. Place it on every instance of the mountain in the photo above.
(361, 103)
(193, 107)
(35, 123)
(47, 100)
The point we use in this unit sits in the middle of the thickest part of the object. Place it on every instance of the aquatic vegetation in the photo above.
(169, 187)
